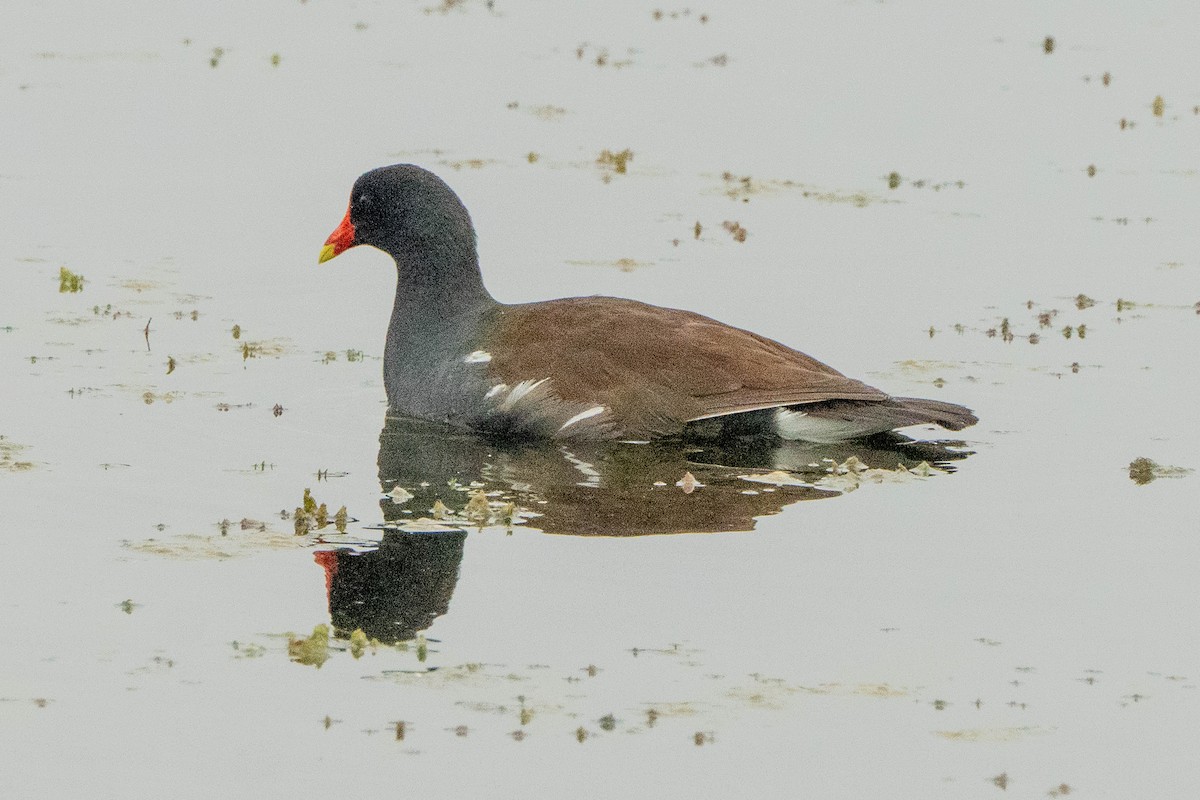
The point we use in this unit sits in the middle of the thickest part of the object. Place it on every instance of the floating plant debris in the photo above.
(688, 483)
(477, 509)
(617, 162)
(358, 643)
(8, 456)
(735, 230)
(312, 651)
(775, 478)
(1048, 45)
(69, 282)
(1158, 106)
(1143, 470)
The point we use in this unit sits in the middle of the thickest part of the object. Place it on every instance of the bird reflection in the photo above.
(447, 482)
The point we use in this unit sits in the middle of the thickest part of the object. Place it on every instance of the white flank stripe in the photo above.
(495, 390)
(582, 415)
(478, 357)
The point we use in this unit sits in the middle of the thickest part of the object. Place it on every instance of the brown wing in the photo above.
(657, 368)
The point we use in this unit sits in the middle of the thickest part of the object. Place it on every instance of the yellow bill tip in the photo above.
(327, 252)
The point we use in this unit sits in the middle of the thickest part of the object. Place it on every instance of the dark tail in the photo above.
(948, 415)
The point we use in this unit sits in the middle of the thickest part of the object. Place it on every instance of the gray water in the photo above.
(1020, 617)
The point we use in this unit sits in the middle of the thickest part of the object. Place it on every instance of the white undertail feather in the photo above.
(520, 390)
(797, 425)
(582, 415)
(495, 390)
(477, 357)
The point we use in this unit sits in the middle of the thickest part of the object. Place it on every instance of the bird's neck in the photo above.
(439, 289)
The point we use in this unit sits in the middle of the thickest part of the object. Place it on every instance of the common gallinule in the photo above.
(583, 367)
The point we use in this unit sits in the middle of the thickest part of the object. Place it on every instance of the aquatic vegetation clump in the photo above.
(69, 282)
(477, 509)
(1143, 470)
(8, 456)
(893, 180)
(358, 643)
(617, 162)
(735, 230)
(1158, 106)
(1048, 45)
(303, 521)
(312, 651)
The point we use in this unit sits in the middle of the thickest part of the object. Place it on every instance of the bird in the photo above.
(588, 368)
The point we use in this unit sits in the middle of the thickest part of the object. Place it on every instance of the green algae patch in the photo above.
(358, 643)
(10, 460)
(267, 348)
(312, 651)
(617, 162)
(247, 650)
(69, 282)
(622, 264)
(744, 187)
(994, 734)
(214, 547)
(311, 515)
(1143, 471)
